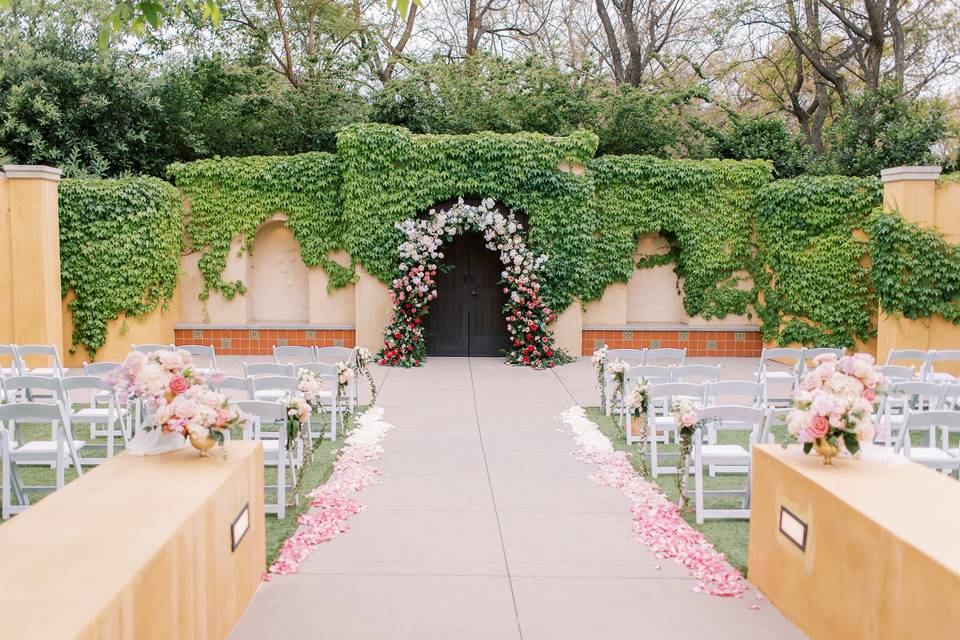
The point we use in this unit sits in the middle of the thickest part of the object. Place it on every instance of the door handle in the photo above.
(473, 293)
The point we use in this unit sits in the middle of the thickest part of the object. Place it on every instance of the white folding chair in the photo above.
(333, 355)
(243, 387)
(149, 348)
(659, 419)
(695, 373)
(902, 398)
(275, 451)
(30, 388)
(666, 357)
(102, 370)
(750, 420)
(741, 393)
(291, 354)
(203, 356)
(941, 357)
(274, 388)
(631, 358)
(897, 373)
(55, 367)
(766, 373)
(811, 353)
(933, 456)
(111, 416)
(12, 366)
(917, 356)
(262, 369)
(59, 451)
(329, 375)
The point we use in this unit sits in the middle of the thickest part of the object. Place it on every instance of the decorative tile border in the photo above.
(249, 341)
(719, 343)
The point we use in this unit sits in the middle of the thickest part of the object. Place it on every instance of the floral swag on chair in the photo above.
(527, 316)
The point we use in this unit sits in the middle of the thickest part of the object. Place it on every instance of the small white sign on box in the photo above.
(239, 527)
(793, 528)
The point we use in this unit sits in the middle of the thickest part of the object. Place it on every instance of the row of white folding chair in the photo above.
(660, 362)
(941, 457)
(17, 355)
(927, 361)
(113, 417)
(292, 354)
(912, 395)
(204, 356)
(58, 452)
(272, 382)
(802, 358)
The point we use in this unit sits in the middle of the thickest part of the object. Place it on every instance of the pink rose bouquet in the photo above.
(836, 401)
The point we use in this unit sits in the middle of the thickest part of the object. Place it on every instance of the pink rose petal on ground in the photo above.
(657, 522)
(331, 504)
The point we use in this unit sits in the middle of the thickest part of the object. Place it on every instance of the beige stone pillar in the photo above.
(33, 233)
(374, 310)
(568, 329)
(913, 192)
(6, 269)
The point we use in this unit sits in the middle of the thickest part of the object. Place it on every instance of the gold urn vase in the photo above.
(203, 445)
(828, 451)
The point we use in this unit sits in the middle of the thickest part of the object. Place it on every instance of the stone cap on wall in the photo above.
(894, 174)
(654, 326)
(31, 172)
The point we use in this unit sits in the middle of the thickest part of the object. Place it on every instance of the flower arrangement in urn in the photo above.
(833, 408)
(178, 402)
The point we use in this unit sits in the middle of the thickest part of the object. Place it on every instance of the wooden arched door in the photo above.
(466, 319)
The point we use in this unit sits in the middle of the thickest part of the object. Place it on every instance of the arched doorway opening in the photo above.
(422, 254)
(467, 319)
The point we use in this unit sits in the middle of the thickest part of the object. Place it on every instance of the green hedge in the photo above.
(813, 287)
(120, 243)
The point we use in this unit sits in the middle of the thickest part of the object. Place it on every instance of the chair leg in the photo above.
(60, 452)
(7, 479)
(282, 486)
(654, 459)
(698, 479)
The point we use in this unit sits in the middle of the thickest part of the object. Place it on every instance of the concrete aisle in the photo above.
(485, 527)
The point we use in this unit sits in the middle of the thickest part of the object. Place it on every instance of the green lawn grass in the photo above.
(316, 470)
(730, 537)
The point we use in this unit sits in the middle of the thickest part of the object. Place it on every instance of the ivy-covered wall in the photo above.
(120, 245)
(915, 271)
(813, 286)
(790, 250)
(232, 197)
(704, 208)
(390, 175)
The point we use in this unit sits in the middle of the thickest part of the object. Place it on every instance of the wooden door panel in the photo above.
(466, 319)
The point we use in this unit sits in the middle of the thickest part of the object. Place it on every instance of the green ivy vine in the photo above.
(813, 287)
(232, 197)
(704, 206)
(915, 271)
(120, 243)
(390, 175)
(799, 241)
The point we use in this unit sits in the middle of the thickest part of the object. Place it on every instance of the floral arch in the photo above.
(526, 314)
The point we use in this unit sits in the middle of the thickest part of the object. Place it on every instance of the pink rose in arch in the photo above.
(819, 427)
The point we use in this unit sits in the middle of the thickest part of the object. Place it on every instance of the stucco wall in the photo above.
(282, 290)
